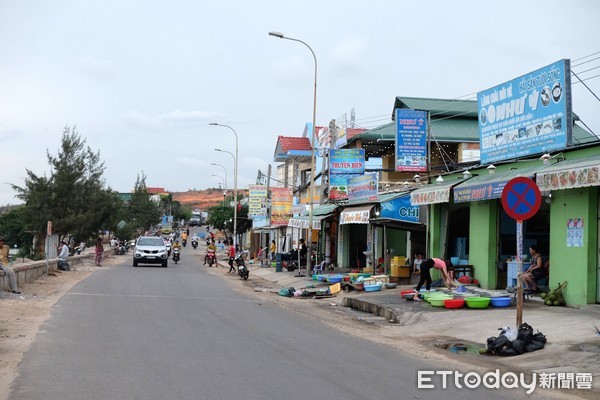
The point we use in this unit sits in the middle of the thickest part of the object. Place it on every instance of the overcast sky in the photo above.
(142, 79)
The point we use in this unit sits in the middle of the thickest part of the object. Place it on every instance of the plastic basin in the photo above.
(428, 297)
(478, 302)
(454, 303)
(335, 278)
(403, 292)
(500, 301)
(372, 288)
(409, 296)
(437, 301)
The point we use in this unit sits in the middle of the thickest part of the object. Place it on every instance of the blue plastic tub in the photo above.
(335, 278)
(500, 301)
(372, 288)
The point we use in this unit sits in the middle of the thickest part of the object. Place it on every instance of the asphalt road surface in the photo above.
(149, 332)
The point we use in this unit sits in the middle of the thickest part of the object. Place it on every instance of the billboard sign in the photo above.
(346, 161)
(527, 115)
(411, 140)
(257, 201)
(400, 209)
(363, 187)
(281, 204)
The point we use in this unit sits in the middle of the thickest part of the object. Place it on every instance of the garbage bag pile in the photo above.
(515, 342)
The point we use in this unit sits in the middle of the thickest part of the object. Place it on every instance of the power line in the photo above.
(585, 62)
(584, 57)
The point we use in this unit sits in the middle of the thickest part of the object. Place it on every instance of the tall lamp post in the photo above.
(224, 169)
(222, 180)
(311, 190)
(235, 174)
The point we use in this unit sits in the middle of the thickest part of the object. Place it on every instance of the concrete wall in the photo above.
(482, 241)
(29, 271)
(576, 265)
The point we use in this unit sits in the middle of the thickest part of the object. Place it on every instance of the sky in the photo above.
(140, 80)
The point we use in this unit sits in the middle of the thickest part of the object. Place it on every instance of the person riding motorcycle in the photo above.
(184, 236)
(213, 248)
(176, 245)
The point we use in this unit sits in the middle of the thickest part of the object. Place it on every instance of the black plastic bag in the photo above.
(534, 345)
(489, 345)
(519, 346)
(507, 352)
(525, 332)
(499, 343)
(539, 337)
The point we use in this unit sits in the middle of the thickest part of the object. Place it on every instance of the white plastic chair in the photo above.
(319, 268)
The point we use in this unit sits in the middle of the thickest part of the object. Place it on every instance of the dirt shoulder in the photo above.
(21, 315)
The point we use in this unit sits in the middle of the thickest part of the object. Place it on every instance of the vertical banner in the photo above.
(257, 201)
(411, 140)
(281, 204)
(344, 164)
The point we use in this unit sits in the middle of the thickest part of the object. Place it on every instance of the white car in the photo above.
(150, 250)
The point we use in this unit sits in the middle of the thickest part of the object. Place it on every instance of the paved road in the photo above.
(181, 333)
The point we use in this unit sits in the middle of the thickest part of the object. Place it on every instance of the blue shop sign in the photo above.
(527, 115)
(485, 191)
(411, 140)
(400, 209)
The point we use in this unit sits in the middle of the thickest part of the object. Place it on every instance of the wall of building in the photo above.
(483, 238)
(576, 265)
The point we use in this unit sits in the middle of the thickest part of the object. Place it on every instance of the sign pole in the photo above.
(519, 273)
(521, 200)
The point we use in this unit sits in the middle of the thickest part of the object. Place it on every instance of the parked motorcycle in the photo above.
(211, 258)
(176, 255)
(241, 266)
(194, 244)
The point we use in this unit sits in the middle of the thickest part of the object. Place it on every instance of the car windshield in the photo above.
(150, 241)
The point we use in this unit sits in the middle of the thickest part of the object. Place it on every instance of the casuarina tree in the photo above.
(74, 196)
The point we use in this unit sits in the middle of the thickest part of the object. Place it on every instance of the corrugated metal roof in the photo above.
(438, 107)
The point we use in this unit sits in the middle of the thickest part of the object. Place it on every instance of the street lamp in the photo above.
(235, 174)
(311, 190)
(222, 180)
(224, 169)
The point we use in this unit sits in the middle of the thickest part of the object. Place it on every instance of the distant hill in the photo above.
(202, 199)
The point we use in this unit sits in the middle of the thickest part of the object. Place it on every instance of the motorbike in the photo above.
(175, 255)
(194, 244)
(122, 248)
(241, 266)
(184, 242)
(210, 257)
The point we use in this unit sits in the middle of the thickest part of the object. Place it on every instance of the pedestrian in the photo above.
(99, 252)
(425, 276)
(231, 254)
(272, 250)
(12, 279)
(63, 256)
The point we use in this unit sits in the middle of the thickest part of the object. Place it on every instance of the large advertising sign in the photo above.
(281, 204)
(400, 209)
(411, 140)
(527, 115)
(344, 164)
(363, 187)
(257, 201)
(346, 161)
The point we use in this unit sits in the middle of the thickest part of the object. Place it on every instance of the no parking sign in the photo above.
(521, 200)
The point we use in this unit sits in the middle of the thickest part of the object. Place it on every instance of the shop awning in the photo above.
(356, 215)
(433, 193)
(303, 221)
(570, 174)
(489, 186)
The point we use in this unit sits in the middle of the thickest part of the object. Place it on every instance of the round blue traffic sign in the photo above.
(521, 198)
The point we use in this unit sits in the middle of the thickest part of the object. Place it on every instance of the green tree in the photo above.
(14, 229)
(74, 197)
(143, 212)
